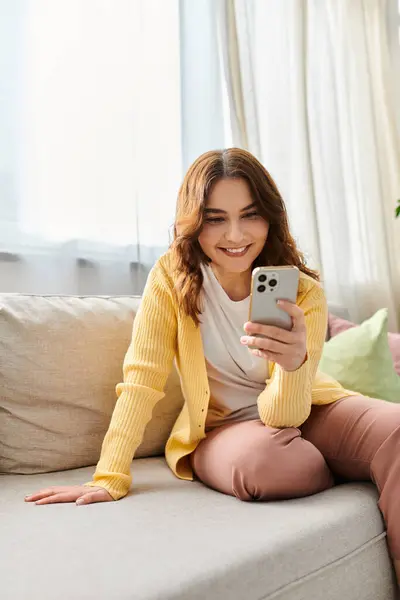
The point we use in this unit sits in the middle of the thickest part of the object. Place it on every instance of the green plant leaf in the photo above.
(398, 211)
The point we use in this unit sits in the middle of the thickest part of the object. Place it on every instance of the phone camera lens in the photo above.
(262, 278)
(261, 288)
(273, 282)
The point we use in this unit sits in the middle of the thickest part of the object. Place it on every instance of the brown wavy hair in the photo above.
(210, 167)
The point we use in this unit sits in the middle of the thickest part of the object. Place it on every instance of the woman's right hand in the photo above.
(81, 494)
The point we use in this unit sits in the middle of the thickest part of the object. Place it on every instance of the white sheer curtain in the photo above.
(312, 95)
(104, 104)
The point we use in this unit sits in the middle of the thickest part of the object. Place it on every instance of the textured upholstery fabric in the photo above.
(174, 539)
(60, 360)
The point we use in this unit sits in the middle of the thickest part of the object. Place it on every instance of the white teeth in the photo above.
(235, 250)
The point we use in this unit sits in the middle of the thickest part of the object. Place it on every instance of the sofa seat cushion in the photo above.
(174, 539)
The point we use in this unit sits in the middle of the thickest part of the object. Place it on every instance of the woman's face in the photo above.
(233, 233)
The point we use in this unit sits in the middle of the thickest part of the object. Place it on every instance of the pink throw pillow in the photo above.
(337, 325)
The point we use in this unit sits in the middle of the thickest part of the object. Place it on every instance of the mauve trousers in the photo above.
(355, 439)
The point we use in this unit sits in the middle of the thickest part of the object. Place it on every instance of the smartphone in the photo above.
(268, 285)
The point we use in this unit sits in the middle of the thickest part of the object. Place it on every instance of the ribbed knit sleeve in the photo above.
(146, 367)
(286, 400)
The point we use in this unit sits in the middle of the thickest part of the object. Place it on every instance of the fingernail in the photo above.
(80, 501)
(244, 340)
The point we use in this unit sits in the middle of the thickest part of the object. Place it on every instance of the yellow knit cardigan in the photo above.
(162, 332)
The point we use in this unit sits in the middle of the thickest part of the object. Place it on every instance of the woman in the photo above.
(261, 423)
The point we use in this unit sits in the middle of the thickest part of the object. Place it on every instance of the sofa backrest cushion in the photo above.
(60, 360)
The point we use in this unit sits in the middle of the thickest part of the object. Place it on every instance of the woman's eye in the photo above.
(251, 215)
(214, 220)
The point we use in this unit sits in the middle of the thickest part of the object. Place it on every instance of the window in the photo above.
(103, 106)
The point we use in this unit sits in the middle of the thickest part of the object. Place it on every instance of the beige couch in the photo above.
(60, 359)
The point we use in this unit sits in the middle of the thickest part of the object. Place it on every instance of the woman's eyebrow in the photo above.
(219, 210)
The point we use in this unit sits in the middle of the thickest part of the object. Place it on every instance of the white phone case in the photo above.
(264, 296)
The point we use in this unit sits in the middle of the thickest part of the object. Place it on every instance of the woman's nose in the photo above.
(234, 233)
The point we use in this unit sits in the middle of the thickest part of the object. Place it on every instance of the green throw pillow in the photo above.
(360, 359)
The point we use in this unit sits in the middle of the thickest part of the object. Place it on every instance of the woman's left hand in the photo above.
(286, 348)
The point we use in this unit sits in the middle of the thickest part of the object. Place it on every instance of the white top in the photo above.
(236, 377)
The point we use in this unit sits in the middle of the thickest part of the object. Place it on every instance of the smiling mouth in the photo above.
(235, 252)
